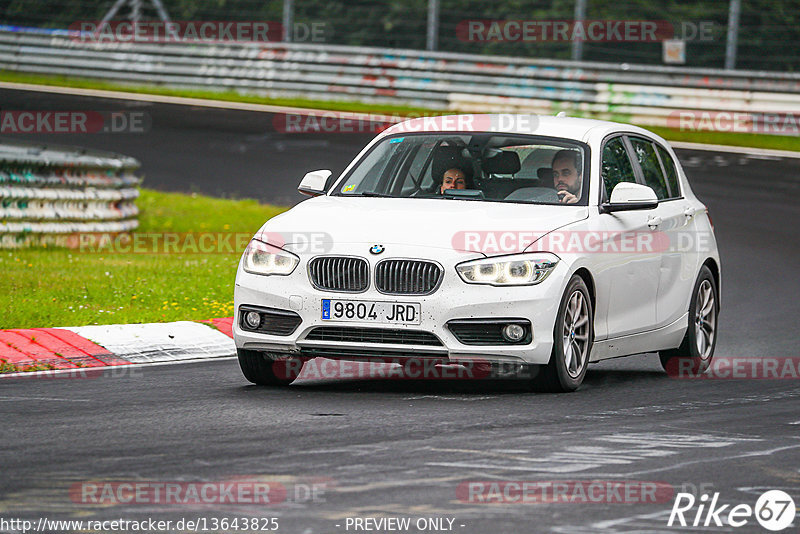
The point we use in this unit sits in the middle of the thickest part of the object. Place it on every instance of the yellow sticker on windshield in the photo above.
(348, 188)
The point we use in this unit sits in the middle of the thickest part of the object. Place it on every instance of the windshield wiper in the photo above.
(373, 194)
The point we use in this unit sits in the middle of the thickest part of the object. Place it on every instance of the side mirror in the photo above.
(313, 183)
(628, 196)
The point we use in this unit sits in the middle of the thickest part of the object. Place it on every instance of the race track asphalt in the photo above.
(398, 448)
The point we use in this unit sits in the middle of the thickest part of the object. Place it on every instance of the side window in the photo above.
(651, 167)
(616, 165)
(672, 173)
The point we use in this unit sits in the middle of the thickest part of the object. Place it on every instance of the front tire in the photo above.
(268, 370)
(697, 348)
(573, 336)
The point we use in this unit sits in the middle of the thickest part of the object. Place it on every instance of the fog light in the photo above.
(252, 319)
(513, 332)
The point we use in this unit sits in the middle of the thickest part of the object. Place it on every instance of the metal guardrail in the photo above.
(642, 94)
(49, 195)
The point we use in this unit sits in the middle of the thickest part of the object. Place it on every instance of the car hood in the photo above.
(459, 225)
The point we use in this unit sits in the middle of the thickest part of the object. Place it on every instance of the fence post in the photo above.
(733, 34)
(288, 20)
(580, 16)
(433, 25)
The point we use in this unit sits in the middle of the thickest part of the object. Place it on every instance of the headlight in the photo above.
(516, 270)
(262, 258)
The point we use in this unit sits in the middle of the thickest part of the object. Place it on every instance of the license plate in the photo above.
(371, 311)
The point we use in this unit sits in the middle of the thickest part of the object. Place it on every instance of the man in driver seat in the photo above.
(568, 175)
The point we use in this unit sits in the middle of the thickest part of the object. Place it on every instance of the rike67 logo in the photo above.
(774, 510)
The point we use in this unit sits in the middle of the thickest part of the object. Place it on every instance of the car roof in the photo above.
(551, 126)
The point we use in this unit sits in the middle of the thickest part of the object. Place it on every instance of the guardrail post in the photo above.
(288, 20)
(733, 33)
(580, 16)
(433, 25)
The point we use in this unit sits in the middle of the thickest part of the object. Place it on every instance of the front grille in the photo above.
(339, 273)
(273, 321)
(373, 335)
(487, 331)
(407, 277)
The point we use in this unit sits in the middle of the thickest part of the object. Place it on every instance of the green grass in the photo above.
(6, 368)
(68, 287)
(671, 134)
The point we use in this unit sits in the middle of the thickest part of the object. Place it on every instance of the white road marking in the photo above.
(3, 398)
(704, 460)
(624, 523)
(623, 449)
(571, 468)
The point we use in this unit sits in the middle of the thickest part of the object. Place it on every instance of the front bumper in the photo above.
(454, 299)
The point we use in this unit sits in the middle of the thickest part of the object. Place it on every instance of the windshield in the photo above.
(483, 167)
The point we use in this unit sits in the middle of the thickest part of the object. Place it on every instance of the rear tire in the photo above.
(268, 369)
(697, 348)
(573, 336)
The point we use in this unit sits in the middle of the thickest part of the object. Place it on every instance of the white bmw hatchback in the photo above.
(534, 243)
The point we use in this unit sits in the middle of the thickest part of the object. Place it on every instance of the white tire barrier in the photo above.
(49, 195)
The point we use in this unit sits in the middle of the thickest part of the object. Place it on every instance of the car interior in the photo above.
(500, 174)
(496, 168)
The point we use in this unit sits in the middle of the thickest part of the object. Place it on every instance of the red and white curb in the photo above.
(111, 345)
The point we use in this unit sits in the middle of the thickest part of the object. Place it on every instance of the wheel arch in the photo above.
(713, 266)
(584, 273)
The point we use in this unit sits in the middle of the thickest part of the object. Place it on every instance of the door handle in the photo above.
(689, 212)
(654, 222)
